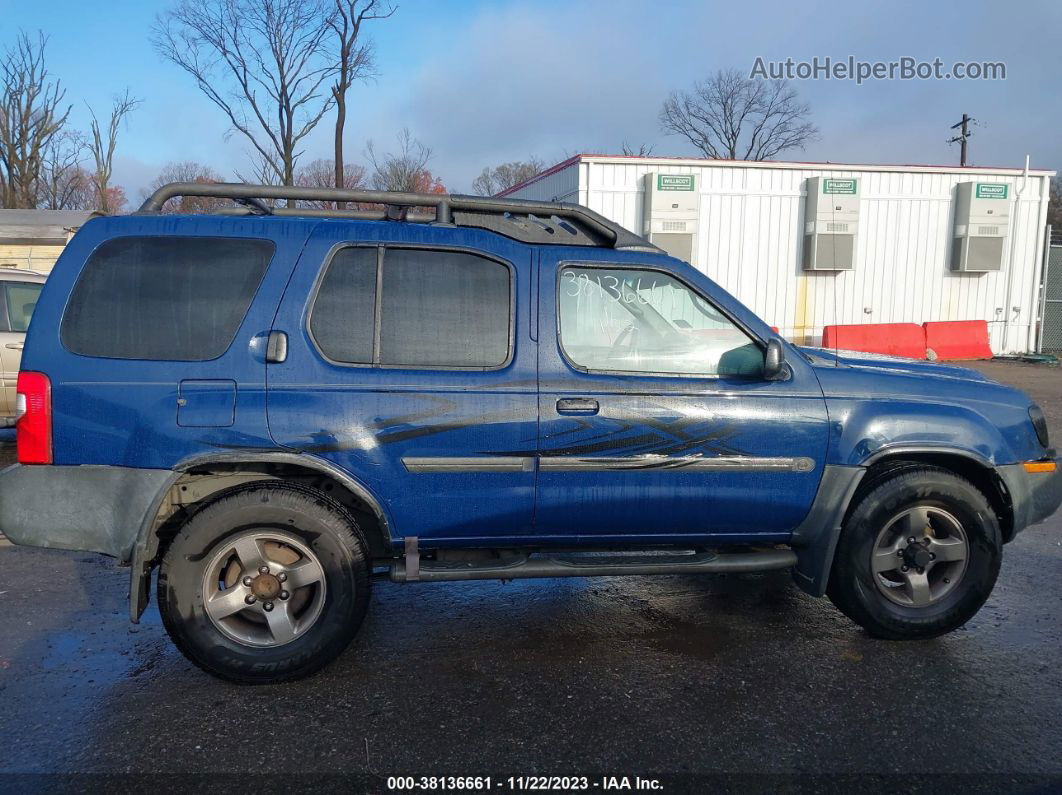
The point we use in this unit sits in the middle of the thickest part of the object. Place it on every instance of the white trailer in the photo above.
(884, 237)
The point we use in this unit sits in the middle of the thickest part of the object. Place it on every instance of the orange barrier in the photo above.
(958, 339)
(894, 339)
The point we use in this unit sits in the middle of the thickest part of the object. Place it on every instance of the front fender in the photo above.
(862, 431)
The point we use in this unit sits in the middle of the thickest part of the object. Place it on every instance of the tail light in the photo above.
(33, 431)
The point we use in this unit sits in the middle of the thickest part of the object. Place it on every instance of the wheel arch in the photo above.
(964, 463)
(200, 480)
(815, 540)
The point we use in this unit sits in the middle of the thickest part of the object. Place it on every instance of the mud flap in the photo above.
(139, 590)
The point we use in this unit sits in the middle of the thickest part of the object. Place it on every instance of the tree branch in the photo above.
(261, 62)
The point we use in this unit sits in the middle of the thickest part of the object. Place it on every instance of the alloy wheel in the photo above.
(263, 588)
(919, 556)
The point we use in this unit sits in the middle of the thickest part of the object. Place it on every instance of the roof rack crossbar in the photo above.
(421, 217)
(444, 205)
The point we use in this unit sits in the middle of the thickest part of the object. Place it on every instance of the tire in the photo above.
(306, 542)
(938, 591)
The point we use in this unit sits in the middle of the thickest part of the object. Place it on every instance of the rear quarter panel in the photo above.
(123, 412)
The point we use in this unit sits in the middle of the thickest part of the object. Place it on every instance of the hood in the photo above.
(880, 363)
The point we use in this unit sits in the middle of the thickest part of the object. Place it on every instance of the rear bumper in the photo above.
(1034, 496)
(90, 508)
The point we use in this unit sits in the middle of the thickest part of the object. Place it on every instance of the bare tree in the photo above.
(354, 61)
(71, 189)
(731, 117)
(643, 150)
(104, 140)
(321, 174)
(64, 184)
(492, 181)
(31, 115)
(403, 170)
(262, 62)
(188, 171)
(258, 172)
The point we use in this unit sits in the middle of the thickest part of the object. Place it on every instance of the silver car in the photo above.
(19, 290)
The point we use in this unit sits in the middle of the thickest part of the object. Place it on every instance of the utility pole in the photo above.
(962, 137)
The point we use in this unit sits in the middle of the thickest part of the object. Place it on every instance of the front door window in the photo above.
(645, 321)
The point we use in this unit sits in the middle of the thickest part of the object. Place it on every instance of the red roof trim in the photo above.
(853, 166)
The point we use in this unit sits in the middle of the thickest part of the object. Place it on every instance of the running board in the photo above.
(582, 565)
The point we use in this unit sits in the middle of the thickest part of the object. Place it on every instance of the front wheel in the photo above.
(918, 555)
(268, 583)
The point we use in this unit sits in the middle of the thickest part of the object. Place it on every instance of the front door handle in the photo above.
(15, 346)
(577, 406)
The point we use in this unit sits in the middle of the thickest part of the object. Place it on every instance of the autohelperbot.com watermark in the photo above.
(851, 68)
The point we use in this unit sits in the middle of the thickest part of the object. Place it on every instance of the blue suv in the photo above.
(276, 406)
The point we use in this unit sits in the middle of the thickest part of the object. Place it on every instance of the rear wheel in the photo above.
(918, 555)
(266, 584)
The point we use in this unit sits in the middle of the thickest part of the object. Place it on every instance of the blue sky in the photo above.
(484, 82)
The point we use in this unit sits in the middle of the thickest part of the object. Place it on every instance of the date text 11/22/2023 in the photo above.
(521, 783)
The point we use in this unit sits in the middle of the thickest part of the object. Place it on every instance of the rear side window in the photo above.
(436, 309)
(168, 298)
(21, 298)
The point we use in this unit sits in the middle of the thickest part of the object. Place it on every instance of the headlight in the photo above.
(1039, 423)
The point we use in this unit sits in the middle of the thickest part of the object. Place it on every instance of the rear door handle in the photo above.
(276, 347)
(577, 406)
(15, 346)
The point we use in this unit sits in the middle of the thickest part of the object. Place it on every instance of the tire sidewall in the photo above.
(930, 488)
(341, 555)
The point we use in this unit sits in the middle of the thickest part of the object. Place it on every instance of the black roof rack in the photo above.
(519, 219)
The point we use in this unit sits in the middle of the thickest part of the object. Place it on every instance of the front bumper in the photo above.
(1034, 495)
(90, 508)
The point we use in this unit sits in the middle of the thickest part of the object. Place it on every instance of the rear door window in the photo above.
(164, 298)
(434, 309)
(444, 309)
(21, 299)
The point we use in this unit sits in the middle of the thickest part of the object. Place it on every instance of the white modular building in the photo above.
(34, 239)
(806, 245)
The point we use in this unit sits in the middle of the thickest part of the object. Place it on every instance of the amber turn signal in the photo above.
(1040, 466)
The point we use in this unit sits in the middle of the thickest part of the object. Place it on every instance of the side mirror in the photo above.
(774, 361)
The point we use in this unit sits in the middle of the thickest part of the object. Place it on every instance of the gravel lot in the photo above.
(739, 682)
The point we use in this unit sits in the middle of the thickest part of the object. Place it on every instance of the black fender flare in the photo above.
(815, 539)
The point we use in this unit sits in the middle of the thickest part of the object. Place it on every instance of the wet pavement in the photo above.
(679, 677)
